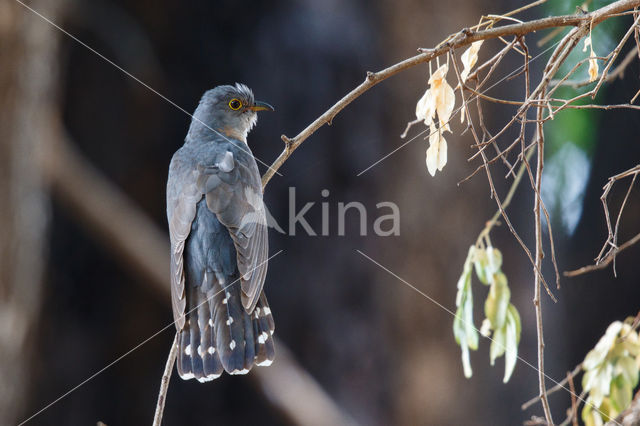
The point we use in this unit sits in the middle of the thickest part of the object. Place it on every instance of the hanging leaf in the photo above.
(498, 344)
(444, 96)
(495, 307)
(593, 68)
(480, 264)
(464, 330)
(494, 258)
(512, 340)
(426, 108)
(621, 395)
(469, 59)
(598, 354)
(437, 151)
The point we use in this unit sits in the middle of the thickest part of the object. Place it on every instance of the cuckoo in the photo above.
(219, 241)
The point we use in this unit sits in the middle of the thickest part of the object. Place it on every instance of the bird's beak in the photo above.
(261, 106)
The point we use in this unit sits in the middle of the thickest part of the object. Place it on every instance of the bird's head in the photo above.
(230, 110)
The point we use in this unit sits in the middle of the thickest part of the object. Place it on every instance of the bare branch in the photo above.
(557, 387)
(617, 72)
(605, 257)
(605, 261)
(461, 39)
(164, 383)
(113, 218)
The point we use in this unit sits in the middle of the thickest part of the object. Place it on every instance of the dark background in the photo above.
(385, 354)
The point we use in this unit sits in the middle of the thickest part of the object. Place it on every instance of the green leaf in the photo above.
(495, 307)
(466, 362)
(470, 329)
(516, 318)
(628, 368)
(607, 412)
(500, 279)
(599, 383)
(494, 258)
(498, 344)
(621, 395)
(598, 354)
(464, 331)
(512, 339)
(458, 328)
(589, 416)
(480, 264)
(464, 282)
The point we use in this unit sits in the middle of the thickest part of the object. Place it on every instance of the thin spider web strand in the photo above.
(471, 99)
(472, 325)
(138, 346)
(128, 74)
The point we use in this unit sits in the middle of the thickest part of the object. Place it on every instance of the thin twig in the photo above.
(617, 72)
(539, 255)
(574, 403)
(605, 257)
(461, 39)
(110, 216)
(164, 383)
(557, 387)
(605, 261)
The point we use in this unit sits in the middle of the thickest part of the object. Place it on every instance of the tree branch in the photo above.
(461, 39)
(113, 218)
(164, 382)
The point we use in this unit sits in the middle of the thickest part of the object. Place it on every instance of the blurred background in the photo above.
(84, 153)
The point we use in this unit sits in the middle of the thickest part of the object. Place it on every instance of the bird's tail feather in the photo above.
(220, 335)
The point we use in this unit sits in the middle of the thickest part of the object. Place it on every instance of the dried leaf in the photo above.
(426, 108)
(443, 95)
(593, 69)
(469, 59)
(593, 62)
(437, 152)
(587, 43)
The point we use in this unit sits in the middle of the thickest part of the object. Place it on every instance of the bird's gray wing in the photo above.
(183, 195)
(234, 193)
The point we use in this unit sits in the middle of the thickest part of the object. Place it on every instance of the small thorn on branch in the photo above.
(287, 142)
(371, 75)
(467, 32)
(425, 50)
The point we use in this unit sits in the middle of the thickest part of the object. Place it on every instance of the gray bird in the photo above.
(219, 241)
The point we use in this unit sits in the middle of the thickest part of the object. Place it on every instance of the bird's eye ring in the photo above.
(235, 104)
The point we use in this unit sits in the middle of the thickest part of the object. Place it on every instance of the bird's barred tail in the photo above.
(220, 335)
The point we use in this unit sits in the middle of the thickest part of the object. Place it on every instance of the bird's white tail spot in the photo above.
(187, 350)
(230, 321)
(200, 351)
(265, 363)
(263, 337)
(211, 350)
(210, 322)
(266, 310)
(243, 371)
(232, 345)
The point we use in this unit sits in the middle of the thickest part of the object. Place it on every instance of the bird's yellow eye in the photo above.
(235, 104)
